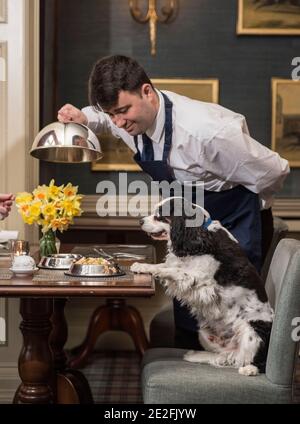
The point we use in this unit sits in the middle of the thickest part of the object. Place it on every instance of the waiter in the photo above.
(177, 138)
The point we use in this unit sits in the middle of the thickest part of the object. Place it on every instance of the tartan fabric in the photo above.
(114, 377)
(46, 275)
(5, 274)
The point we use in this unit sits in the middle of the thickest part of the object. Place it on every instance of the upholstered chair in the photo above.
(167, 378)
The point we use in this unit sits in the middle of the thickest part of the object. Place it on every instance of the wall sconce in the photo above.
(168, 11)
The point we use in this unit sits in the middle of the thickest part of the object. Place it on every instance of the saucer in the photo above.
(19, 271)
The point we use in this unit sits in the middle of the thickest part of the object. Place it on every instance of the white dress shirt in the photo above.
(210, 144)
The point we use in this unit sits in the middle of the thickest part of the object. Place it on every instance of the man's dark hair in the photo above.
(112, 74)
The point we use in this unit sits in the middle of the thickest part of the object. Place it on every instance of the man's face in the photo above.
(135, 112)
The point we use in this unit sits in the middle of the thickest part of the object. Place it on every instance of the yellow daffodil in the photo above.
(23, 198)
(48, 210)
(35, 209)
(70, 191)
(54, 191)
(52, 207)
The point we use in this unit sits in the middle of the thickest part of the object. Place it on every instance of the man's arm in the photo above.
(98, 122)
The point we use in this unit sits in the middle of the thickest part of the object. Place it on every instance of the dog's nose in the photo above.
(142, 221)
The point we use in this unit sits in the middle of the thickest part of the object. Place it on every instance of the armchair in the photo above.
(167, 378)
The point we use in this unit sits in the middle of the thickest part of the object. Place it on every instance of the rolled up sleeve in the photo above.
(99, 122)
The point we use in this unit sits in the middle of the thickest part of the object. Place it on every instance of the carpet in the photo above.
(114, 377)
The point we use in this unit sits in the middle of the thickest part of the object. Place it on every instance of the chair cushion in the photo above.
(280, 231)
(283, 288)
(167, 378)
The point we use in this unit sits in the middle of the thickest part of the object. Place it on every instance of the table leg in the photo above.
(35, 360)
(115, 315)
(71, 385)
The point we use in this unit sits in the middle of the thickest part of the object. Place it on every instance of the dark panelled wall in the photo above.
(200, 43)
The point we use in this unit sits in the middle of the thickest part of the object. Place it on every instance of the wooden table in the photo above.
(42, 361)
(116, 314)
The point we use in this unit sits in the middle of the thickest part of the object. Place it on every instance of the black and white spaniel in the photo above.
(207, 270)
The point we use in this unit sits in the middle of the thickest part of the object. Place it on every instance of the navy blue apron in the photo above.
(237, 209)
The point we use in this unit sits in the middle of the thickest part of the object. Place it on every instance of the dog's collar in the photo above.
(207, 223)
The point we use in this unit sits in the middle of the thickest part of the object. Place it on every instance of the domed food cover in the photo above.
(66, 143)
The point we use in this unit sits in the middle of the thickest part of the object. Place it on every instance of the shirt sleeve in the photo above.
(236, 157)
(99, 122)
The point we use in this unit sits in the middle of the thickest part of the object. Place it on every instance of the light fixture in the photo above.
(168, 12)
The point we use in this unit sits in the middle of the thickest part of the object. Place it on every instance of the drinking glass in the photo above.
(19, 247)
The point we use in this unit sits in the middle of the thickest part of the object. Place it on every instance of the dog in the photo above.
(207, 270)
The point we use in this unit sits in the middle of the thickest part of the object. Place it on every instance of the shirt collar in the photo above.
(156, 130)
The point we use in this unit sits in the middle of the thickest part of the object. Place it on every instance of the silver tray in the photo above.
(58, 261)
(79, 270)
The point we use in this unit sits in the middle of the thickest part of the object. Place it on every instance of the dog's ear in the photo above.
(178, 235)
(190, 240)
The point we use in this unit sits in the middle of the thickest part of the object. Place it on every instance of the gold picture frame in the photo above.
(118, 156)
(257, 17)
(3, 11)
(286, 119)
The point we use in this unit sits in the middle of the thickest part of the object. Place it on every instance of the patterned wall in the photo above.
(201, 43)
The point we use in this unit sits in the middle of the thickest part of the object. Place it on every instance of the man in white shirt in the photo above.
(177, 138)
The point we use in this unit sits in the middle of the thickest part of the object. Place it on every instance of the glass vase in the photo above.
(47, 243)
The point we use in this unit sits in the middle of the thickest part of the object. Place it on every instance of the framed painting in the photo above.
(286, 119)
(269, 17)
(3, 11)
(118, 156)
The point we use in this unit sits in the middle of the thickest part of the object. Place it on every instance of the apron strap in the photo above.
(168, 128)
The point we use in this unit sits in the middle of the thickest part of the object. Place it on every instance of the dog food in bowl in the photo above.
(94, 267)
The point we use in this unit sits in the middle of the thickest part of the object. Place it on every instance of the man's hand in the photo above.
(6, 201)
(70, 113)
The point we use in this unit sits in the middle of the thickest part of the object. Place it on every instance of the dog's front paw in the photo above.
(161, 273)
(141, 268)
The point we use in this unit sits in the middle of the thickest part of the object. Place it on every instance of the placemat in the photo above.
(59, 275)
(5, 274)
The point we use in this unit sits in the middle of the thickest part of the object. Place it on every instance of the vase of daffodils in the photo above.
(52, 208)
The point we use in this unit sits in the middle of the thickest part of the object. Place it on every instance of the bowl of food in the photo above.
(95, 267)
(59, 261)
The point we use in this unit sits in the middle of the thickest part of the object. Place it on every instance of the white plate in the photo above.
(19, 271)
